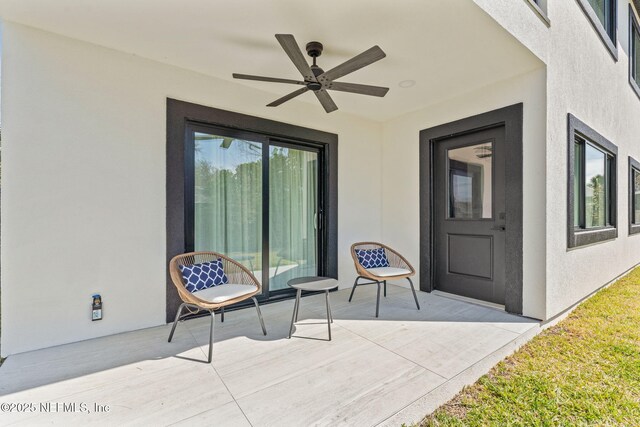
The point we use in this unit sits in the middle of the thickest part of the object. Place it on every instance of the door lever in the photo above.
(499, 228)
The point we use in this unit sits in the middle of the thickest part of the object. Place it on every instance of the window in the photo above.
(603, 17)
(470, 181)
(634, 51)
(634, 196)
(592, 186)
(540, 8)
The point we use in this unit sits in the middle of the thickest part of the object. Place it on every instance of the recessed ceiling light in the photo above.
(406, 83)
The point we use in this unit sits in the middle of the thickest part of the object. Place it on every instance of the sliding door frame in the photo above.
(182, 117)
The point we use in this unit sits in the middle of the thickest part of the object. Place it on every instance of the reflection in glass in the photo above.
(470, 181)
(595, 187)
(577, 182)
(635, 57)
(293, 198)
(636, 197)
(228, 198)
(602, 9)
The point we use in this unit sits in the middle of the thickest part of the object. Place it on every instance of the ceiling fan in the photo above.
(318, 80)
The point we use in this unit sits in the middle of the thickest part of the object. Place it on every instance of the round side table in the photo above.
(317, 284)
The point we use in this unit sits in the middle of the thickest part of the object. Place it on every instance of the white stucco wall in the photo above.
(585, 81)
(401, 219)
(580, 78)
(519, 19)
(83, 197)
(83, 183)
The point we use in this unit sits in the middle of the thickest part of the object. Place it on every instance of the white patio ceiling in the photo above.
(448, 47)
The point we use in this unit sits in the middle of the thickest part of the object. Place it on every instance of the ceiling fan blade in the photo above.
(266, 79)
(367, 57)
(358, 88)
(288, 97)
(326, 100)
(290, 46)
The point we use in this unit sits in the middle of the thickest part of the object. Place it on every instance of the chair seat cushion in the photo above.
(204, 275)
(371, 258)
(388, 271)
(222, 293)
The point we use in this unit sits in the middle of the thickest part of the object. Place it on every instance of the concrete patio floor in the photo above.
(383, 371)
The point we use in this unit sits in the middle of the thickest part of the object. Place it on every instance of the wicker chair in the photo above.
(399, 268)
(242, 285)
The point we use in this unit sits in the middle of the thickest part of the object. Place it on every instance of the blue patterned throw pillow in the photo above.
(372, 258)
(202, 276)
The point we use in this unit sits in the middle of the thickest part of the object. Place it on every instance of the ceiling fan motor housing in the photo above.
(314, 49)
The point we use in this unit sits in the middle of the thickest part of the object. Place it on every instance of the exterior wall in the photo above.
(84, 170)
(84, 135)
(585, 81)
(518, 18)
(401, 220)
(582, 79)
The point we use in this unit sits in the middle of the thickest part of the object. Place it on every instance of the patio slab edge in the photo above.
(425, 405)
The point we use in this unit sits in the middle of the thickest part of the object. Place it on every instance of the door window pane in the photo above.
(228, 198)
(470, 181)
(293, 201)
(636, 197)
(595, 187)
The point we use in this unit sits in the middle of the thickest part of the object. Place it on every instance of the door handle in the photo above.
(499, 228)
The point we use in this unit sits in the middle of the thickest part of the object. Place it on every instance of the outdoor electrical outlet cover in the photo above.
(96, 307)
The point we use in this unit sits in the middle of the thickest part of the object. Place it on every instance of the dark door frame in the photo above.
(511, 118)
(180, 115)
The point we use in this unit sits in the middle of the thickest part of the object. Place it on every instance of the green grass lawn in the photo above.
(583, 371)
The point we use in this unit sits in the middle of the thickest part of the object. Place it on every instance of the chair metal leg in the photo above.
(355, 284)
(295, 313)
(378, 300)
(385, 288)
(175, 322)
(222, 314)
(415, 297)
(329, 304)
(255, 301)
(326, 295)
(213, 318)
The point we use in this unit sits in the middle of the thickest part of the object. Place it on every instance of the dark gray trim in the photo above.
(633, 50)
(511, 118)
(633, 165)
(577, 238)
(179, 114)
(609, 40)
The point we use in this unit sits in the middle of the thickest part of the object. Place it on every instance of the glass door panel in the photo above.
(470, 181)
(228, 198)
(293, 209)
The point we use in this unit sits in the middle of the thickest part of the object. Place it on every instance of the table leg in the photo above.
(329, 303)
(295, 313)
(326, 294)
(298, 296)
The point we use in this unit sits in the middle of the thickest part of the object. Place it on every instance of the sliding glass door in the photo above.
(293, 214)
(227, 192)
(257, 200)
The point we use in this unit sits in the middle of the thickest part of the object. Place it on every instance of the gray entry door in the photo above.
(469, 215)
